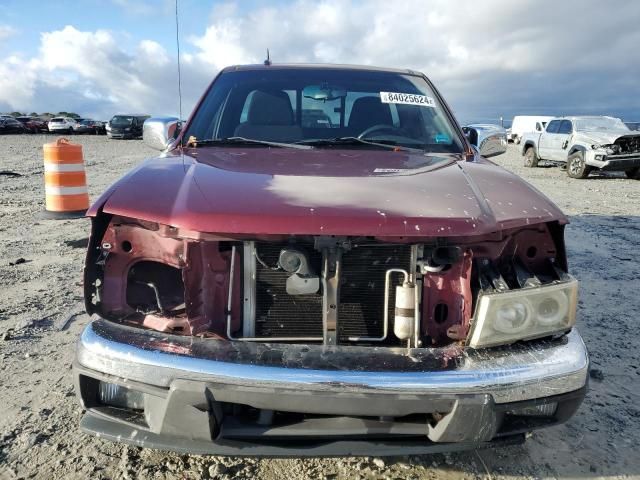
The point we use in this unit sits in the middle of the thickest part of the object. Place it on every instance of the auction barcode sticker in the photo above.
(407, 99)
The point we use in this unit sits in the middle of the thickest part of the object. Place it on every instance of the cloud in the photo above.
(17, 81)
(488, 59)
(6, 31)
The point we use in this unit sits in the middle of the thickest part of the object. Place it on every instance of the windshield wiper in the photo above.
(245, 141)
(386, 144)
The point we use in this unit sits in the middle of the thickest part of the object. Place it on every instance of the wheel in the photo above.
(517, 140)
(530, 158)
(577, 167)
(633, 173)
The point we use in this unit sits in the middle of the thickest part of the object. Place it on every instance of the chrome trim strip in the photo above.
(519, 372)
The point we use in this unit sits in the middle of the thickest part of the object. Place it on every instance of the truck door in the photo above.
(559, 142)
(546, 139)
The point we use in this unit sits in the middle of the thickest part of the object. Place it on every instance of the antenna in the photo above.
(268, 60)
(179, 74)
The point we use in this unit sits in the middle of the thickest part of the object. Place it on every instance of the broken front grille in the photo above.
(361, 293)
(361, 311)
(628, 144)
(279, 314)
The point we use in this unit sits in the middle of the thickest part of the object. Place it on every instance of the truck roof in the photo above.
(578, 117)
(320, 66)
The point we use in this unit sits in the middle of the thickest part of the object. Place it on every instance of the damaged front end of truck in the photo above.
(270, 339)
(348, 298)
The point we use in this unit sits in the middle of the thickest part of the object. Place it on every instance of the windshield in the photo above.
(323, 107)
(599, 123)
(121, 120)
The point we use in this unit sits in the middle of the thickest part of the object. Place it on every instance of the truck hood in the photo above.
(599, 137)
(265, 191)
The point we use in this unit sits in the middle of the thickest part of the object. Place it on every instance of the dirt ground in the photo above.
(39, 436)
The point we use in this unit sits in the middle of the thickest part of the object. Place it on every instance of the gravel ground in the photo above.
(39, 436)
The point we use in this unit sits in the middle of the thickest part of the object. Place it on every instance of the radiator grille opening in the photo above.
(279, 314)
(361, 308)
(361, 312)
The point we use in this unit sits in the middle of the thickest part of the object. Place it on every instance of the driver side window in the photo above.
(565, 127)
(553, 125)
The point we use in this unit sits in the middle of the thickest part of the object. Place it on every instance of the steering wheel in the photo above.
(376, 128)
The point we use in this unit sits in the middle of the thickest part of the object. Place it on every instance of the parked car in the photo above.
(62, 124)
(33, 124)
(264, 288)
(585, 144)
(94, 126)
(522, 124)
(490, 139)
(126, 126)
(82, 126)
(9, 124)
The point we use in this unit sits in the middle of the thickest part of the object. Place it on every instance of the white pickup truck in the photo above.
(584, 144)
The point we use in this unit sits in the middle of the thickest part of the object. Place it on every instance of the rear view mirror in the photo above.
(324, 92)
(158, 133)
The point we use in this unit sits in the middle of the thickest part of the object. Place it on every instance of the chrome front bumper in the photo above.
(509, 374)
(472, 388)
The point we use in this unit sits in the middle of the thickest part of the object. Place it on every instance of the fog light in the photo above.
(119, 396)
(542, 410)
(600, 158)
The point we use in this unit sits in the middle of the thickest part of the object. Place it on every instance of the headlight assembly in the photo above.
(506, 317)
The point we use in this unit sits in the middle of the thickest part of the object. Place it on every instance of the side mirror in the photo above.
(159, 132)
(488, 141)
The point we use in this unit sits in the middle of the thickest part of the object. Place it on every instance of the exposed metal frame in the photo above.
(413, 278)
(249, 287)
(331, 271)
(230, 293)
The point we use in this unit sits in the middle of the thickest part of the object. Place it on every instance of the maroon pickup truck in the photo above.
(319, 263)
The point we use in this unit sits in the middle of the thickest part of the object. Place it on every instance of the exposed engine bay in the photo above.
(624, 145)
(306, 289)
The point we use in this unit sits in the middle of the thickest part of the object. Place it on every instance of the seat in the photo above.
(270, 117)
(367, 112)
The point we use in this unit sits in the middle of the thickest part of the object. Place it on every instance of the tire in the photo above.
(517, 140)
(633, 173)
(530, 157)
(577, 167)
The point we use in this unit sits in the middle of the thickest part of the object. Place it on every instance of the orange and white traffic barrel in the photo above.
(65, 181)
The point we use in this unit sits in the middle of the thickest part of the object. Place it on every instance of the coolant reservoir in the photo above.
(404, 319)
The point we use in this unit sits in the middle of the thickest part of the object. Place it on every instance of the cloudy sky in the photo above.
(489, 58)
